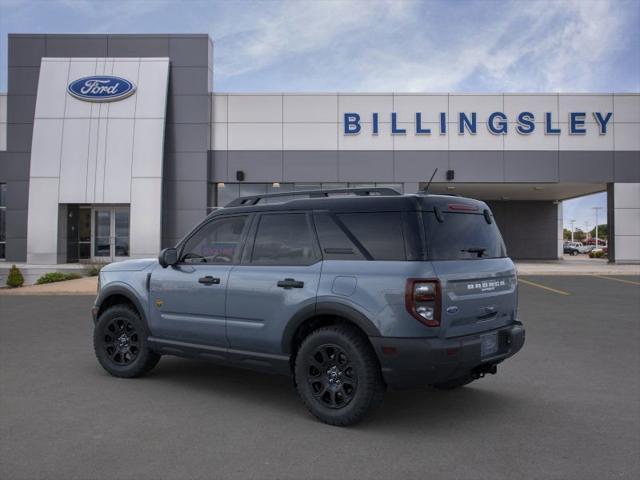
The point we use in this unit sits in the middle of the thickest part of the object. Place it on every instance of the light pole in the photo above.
(596, 210)
(572, 222)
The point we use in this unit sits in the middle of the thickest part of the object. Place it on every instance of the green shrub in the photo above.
(15, 278)
(596, 254)
(94, 270)
(52, 277)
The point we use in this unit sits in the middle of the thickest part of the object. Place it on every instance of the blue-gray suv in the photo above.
(349, 292)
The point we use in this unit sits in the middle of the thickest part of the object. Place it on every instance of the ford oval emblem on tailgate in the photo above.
(452, 310)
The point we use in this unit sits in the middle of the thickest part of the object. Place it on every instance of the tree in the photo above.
(578, 235)
(603, 231)
(15, 278)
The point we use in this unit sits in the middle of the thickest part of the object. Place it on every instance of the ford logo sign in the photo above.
(101, 88)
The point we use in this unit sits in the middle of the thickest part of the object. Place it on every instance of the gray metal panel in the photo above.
(26, 50)
(177, 223)
(189, 51)
(529, 229)
(477, 166)
(14, 166)
(17, 195)
(310, 166)
(185, 195)
(258, 165)
(76, 46)
(359, 166)
(188, 109)
(218, 166)
(138, 46)
(22, 108)
(187, 137)
(626, 166)
(185, 166)
(16, 249)
(586, 166)
(416, 166)
(23, 80)
(188, 80)
(16, 223)
(19, 137)
(531, 166)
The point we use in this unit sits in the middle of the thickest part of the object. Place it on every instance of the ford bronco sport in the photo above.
(348, 291)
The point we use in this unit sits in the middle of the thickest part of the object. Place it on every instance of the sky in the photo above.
(378, 45)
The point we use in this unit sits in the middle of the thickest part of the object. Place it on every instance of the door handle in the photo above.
(209, 280)
(290, 283)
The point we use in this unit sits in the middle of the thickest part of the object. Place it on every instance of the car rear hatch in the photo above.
(477, 280)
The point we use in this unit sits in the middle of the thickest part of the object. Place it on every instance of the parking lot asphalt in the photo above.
(566, 407)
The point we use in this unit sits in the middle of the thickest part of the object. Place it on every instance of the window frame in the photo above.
(247, 254)
(242, 241)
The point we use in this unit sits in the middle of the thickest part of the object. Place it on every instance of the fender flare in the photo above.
(122, 289)
(327, 308)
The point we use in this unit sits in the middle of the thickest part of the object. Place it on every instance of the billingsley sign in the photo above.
(101, 88)
(497, 123)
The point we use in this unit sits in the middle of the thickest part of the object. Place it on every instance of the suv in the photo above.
(347, 291)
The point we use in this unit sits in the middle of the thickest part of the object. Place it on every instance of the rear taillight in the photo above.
(422, 299)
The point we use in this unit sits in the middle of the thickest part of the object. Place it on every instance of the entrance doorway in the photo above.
(110, 234)
(97, 233)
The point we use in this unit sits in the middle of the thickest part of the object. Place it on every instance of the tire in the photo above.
(120, 343)
(574, 253)
(454, 383)
(338, 376)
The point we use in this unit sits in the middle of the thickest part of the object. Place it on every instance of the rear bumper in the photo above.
(414, 362)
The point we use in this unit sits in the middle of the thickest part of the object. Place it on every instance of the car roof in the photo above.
(373, 203)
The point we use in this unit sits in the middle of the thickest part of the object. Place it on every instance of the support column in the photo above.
(560, 236)
(623, 206)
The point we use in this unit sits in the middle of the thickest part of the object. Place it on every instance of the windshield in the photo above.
(462, 236)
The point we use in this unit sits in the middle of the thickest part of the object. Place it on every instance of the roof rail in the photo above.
(361, 192)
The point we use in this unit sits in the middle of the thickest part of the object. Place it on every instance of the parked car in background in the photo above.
(572, 248)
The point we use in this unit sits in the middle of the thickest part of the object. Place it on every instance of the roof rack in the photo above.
(361, 192)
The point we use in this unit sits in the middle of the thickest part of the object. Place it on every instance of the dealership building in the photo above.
(114, 146)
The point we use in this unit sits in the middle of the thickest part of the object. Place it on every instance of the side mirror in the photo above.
(167, 257)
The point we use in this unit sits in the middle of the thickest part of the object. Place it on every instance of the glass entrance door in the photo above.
(110, 234)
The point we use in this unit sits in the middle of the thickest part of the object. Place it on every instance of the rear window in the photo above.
(462, 236)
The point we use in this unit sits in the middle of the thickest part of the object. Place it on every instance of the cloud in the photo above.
(407, 46)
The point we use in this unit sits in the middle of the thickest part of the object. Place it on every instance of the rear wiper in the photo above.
(479, 250)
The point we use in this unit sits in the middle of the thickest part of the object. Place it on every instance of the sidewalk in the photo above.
(580, 265)
(81, 286)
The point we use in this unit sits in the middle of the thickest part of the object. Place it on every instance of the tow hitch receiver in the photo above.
(483, 370)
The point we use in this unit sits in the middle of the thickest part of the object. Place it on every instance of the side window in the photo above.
(283, 239)
(379, 233)
(334, 242)
(218, 242)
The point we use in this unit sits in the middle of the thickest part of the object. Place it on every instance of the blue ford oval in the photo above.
(101, 88)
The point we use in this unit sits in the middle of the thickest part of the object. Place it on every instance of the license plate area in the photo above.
(488, 344)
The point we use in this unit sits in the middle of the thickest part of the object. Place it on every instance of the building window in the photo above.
(3, 216)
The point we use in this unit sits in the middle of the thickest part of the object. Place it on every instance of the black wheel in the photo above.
(120, 343)
(338, 376)
(574, 253)
(454, 383)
